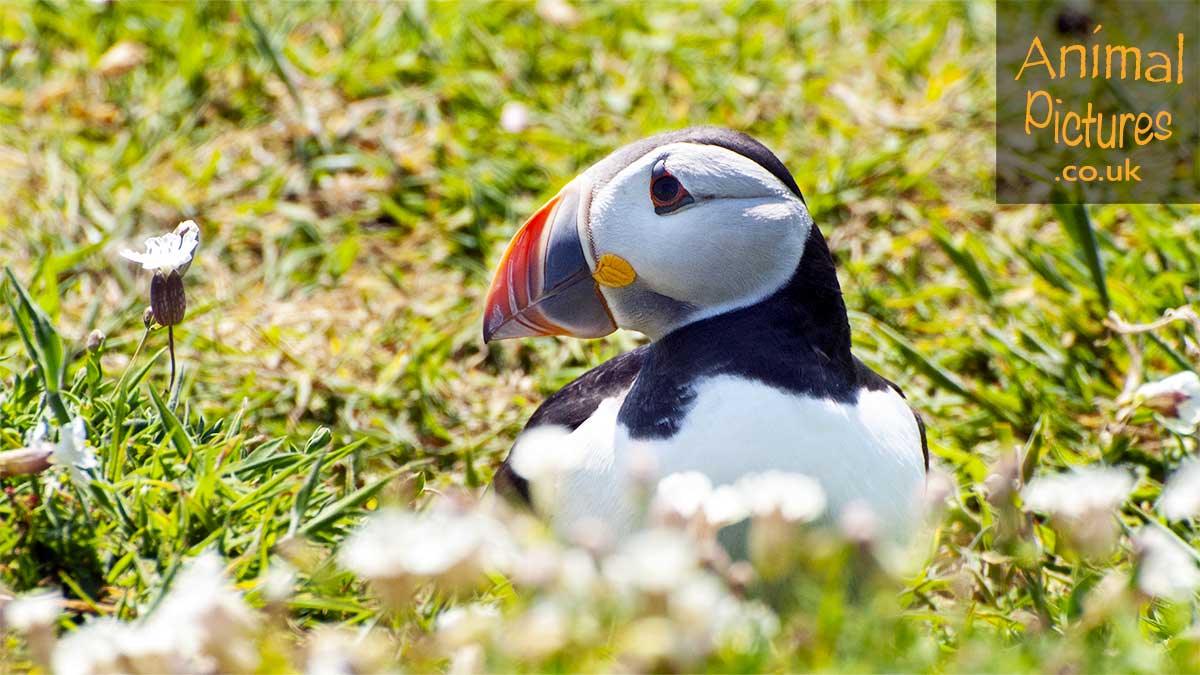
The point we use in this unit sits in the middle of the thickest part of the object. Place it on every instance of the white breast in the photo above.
(869, 450)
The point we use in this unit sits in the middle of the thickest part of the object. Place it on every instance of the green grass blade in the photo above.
(1079, 226)
(335, 510)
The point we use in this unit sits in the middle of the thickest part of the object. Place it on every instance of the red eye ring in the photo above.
(666, 192)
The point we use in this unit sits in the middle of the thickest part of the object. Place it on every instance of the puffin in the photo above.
(700, 240)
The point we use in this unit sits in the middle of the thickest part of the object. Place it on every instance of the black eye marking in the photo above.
(666, 192)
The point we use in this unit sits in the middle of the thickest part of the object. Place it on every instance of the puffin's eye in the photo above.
(666, 192)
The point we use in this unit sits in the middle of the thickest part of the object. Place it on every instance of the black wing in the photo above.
(570, 406)
(874, 381)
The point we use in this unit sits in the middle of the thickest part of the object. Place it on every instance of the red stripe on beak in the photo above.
(519, 278)
(543, 285)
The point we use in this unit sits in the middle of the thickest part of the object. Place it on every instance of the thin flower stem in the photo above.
(136, 352)
(171, 347)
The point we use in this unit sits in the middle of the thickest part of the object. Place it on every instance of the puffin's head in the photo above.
(661, 233)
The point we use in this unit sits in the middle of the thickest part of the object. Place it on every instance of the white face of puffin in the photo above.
(683, 232)
(700, 225)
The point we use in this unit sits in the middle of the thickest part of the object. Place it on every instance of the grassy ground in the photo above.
(353, 187)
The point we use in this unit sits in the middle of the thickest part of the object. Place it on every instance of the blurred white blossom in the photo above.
(514, 117)
(397, 549)
(36, 611)
(858, 522)
(171, 252)
(1175, 401)
(277, 584)
(202, 625)
(652, 561)
(544, 453)
(468, 624)
(1078, 493)
(1165, 568)
(335, 651)
(1082, 503)
(1181, 496)
(688, 498)
(559, 12)
(541, 631)
(94, 648)
(792, 497)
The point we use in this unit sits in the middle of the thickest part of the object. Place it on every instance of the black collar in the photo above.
(798, 340)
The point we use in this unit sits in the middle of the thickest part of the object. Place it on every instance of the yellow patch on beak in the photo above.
(613, 271)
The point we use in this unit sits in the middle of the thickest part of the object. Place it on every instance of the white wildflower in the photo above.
(171, 252)
(467, 660)
(1165, 569)
(1079, 493)
(858, 522)
(202, 625)
(37, 611)
(543, 456)
(205, 618)
(689, 499)
(725, 506)
(1175, 401)
(278, 582)
(93, 648)
(540, 632)
(792, 497)
(545, 453)
(741, 624)
(1082, 504)
(337, 651)
(1181, 497)
(463, 625)
(539, 565)
(696, 604)
(577, 573)
(779, 504)
(395, 550)
(514, 117)
(682, 494)
(73, 450)
(652, 561)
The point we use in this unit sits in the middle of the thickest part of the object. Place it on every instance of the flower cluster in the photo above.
(397, 551)
(202, 625)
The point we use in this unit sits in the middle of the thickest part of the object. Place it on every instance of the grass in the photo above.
(353, 189)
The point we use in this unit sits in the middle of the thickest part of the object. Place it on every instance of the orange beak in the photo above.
(544, 285)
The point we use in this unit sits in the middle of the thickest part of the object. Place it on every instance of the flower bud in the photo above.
(25, 461)
(1175, 400)
(95, 340)
(167, 298)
